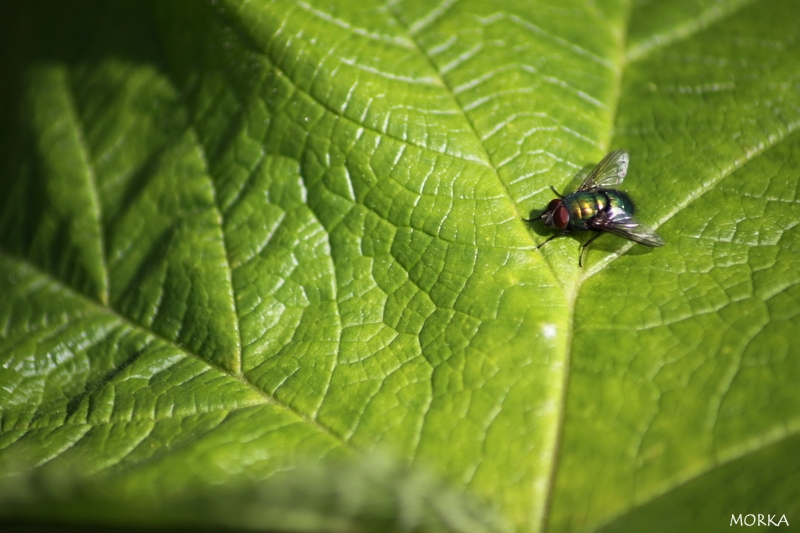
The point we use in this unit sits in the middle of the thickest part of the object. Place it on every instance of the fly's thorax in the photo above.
(585, 205)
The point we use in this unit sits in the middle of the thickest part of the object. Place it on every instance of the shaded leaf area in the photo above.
(772, 468)
(241, 236)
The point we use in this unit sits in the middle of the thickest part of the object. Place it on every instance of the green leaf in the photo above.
(240, 238)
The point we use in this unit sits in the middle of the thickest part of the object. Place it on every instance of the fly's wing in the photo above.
(608, 172)
(625, 225)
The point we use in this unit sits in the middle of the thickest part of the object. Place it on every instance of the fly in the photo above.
(597, 208)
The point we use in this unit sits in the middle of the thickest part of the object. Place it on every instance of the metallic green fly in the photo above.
(597, 208)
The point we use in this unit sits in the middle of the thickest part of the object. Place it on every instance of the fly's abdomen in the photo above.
(619, 200)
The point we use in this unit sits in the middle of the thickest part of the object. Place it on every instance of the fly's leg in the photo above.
(583, 249)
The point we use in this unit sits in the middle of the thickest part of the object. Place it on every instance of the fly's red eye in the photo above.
(560, 217)
(554, 203)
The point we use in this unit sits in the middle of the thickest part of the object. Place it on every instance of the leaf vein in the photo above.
(772, 141)
(92, 189)
(59, 285)
(717, 13)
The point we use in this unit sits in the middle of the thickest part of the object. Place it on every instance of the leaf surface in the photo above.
(241, 236)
